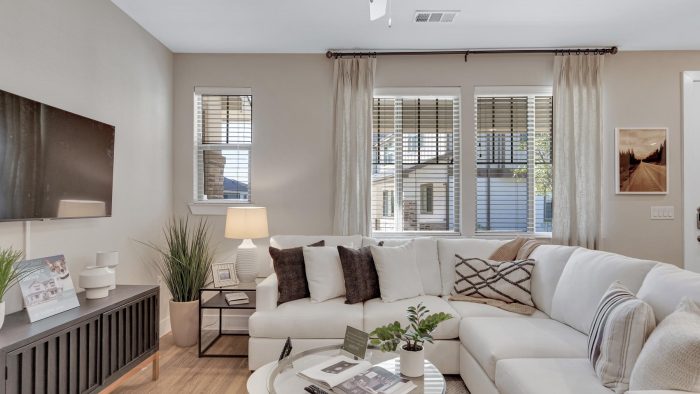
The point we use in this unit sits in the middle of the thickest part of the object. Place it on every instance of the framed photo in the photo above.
(641, 162)
(224, 274)
(48, 290)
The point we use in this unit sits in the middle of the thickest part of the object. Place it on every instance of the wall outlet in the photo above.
(662, 212)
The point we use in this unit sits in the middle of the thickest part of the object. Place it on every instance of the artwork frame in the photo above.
(224, 274)
(654, 179)
(49, 289)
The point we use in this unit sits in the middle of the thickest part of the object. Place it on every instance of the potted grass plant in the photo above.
(418, 331)
(184, 264)
(11, 272)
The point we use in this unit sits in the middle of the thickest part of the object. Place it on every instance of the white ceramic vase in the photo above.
(183, 322)
(412, 362)
(2, 313)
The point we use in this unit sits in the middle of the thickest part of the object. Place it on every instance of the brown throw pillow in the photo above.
(509, 250)
(361, 280)
(527, 248)
(291, 273)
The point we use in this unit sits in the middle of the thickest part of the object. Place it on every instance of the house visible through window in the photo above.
(514, 161)
(223, 142)
(415, 161)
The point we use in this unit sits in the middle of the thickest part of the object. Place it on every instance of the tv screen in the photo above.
(53, 163)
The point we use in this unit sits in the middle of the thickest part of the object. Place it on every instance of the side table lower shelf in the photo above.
(218, 302)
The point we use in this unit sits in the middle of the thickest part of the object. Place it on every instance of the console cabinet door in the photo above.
(128, 332)
(68, 362)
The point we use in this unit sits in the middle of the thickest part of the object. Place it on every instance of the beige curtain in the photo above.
(577, 146)
(354, 83)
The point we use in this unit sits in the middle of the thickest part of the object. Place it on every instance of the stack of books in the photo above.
(237, 298)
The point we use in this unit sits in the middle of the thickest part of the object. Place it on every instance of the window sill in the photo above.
(214, 208)
(509, 235)
(415, 234)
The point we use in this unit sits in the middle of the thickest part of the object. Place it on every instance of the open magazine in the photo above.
(347, 376)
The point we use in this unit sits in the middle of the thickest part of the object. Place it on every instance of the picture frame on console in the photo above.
(641, 160)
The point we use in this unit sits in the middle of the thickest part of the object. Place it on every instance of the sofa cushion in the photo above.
(465, 247)
(490, 339)
(305, 319)
(586, 277)
(550, 262)
(547, 376)
(426, 257)
(473, 309)
(379, 313)
(665, 286)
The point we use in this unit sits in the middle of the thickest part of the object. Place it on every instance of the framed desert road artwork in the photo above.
(641, 161)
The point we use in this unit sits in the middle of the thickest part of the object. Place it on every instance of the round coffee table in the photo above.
(281, 377)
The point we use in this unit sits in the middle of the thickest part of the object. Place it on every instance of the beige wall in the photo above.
(87, 57)
(292, 156)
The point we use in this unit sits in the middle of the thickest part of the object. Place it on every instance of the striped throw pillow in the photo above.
(507, 281)
(619, 329)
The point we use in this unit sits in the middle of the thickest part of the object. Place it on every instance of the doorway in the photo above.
(691, 169)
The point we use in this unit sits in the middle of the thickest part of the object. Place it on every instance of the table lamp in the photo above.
(246, 223)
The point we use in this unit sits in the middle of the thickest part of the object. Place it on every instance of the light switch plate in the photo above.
(662, 212)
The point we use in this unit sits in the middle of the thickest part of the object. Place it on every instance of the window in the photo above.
(514, 161)
(415, 161)
(223, 141)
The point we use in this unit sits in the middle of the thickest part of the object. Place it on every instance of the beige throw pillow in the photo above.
(509, 250)
(670, 359)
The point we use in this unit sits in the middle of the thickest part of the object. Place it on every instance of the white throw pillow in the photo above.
(398, 273)
(670, 359)
(324, 273)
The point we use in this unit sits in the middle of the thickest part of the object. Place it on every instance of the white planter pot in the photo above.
(412, 362)
(183, 322)
(2, 313)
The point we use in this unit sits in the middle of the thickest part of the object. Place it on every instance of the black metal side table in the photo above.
(218, 302)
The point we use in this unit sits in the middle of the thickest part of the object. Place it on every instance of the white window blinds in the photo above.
(223, 142)
(415, 164)
(514, 163)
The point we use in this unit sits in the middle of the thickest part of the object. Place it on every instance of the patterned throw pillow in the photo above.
(507, 281)
(291, 273)
(361, 280)
(619, 329)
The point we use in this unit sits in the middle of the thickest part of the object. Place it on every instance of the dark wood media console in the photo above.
(83, 350)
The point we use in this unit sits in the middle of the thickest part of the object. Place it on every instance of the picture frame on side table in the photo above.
(641, 160)
(224, 274)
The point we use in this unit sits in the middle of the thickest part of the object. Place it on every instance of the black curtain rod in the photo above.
(467, 52)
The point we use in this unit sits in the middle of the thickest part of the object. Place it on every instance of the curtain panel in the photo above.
(577, 146)
(354, 84)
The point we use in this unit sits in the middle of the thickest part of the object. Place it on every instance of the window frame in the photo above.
(432, 92)
(508, 91)
(200, 206)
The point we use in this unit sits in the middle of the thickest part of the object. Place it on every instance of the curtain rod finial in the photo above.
(613, 50)
(329, 54)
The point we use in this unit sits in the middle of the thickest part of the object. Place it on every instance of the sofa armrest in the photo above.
(266, 294)
(656, 392)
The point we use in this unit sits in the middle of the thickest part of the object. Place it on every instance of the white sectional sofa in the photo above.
(494, 351)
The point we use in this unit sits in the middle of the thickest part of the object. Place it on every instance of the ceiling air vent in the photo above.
(435, 16)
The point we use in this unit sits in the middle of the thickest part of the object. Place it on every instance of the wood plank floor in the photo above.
(181, 371)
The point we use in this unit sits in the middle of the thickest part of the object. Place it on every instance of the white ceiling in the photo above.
(317, 25)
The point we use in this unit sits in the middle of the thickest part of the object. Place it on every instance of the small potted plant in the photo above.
(11, 272)
(184, 264)
(419, 330)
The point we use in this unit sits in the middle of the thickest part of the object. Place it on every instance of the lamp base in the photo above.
(247, 262)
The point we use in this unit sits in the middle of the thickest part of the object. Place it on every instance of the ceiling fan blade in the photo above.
(377, 9)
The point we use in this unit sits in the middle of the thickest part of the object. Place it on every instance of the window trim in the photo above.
(508, 91)
(431, 92)
(215, 207)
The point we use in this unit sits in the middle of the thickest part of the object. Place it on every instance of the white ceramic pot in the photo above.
(2, 313)
(183, 322)
(412, 362)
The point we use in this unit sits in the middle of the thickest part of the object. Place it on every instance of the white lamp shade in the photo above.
(81, 208)
(246, 222)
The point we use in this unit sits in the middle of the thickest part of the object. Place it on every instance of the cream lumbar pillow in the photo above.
(397, 269)
(621, 325)
(670, 360)
(324, 273)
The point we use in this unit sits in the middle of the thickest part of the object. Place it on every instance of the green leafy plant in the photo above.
(11, 271)
(186, 258)
(419, 330)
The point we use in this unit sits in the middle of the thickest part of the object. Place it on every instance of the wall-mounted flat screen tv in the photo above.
(53, 163)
